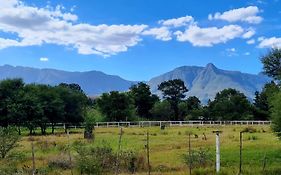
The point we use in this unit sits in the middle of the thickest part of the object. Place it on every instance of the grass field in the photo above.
(166, 149)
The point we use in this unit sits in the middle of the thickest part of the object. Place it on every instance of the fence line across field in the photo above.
(177, 123)
(164, 123)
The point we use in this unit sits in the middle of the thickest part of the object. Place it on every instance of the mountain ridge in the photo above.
(203, 82)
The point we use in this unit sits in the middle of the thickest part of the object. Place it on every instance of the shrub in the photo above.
(95, 160)
(61, 162)
(198, 158)
(249, 129)
(8, 140)
(131, 161)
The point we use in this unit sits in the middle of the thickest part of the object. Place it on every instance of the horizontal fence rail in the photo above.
(177, 123)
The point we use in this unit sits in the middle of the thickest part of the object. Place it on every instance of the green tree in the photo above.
(230, 104)
(276, 113)
(174, 91)
(262, 101)
(116, 106)
(272, 67)
(10, 91)
(31, 107)
(162, 110)
(75, 103)
(272, 63)
(190, 108)
(143, 99)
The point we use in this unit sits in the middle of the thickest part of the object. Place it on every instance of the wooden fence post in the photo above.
(33, 158)
(118, 152)
(147, 152)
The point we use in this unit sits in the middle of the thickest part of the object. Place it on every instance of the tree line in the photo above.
(36, 105)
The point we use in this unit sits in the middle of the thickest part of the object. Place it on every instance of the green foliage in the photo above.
(230, 104)
(143, 99)
(190, 109)
(34, 105)
(276, 114)
(116, 106)
(10, 92)
(95, 160)
(262, 100)
(162, 111)
(272, 63)
(61, 162)
(8, 140)
(174, 91)
(198, 158)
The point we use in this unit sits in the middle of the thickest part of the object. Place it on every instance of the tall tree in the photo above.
(143, 99)
(162, 111)
(10, 91)
(174, 91)
(190, 108)
(31, 107)
(272, 67)
(262, 101)
(272, 63)
(75, 103)
(116, 106)
(230, 104)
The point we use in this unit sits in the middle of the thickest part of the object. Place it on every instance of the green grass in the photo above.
(168, 146)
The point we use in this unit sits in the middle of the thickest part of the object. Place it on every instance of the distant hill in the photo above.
(92, 82)
(205, 82)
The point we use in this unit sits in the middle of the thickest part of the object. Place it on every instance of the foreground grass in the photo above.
(166, 148)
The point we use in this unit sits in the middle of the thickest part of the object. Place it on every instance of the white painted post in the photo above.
(217, 150)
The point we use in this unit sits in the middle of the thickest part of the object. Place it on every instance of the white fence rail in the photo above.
(177, 123)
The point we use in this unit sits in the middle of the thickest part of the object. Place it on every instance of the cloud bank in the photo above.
(35, 26)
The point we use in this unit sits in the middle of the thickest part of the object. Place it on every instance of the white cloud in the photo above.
(209, 36)
(244, 14)
(247, 53)
(161, 33)
(251, 41)
(272, 42)
(251, 32)
(44, 59)
(36, 26)
(177, 22)
(231, 52)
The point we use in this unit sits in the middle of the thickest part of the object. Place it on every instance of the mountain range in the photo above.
(203, 82)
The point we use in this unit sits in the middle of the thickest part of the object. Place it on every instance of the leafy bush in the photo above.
(198, 158)
(249, 129)
(95, 160)
(61, 162)
(8, 140)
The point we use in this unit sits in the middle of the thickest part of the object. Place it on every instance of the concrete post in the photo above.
(217, 150)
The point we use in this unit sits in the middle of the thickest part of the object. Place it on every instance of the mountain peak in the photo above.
(211, 65)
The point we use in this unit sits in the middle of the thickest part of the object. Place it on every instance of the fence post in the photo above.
(217, 132)
(189, 153)
(147, 151)
(118, 152)
(33, 158)
(240, 163)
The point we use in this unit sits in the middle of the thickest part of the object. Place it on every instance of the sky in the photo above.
(138, 39)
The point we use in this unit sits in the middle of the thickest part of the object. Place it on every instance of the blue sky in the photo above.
(138, 39)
